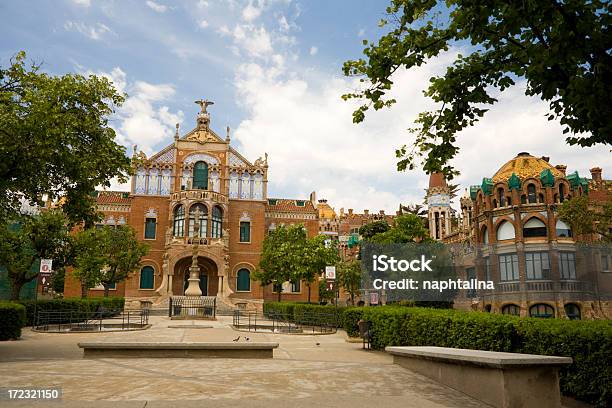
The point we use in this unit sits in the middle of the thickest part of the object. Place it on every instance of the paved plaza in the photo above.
(302, 373)
(306, 371)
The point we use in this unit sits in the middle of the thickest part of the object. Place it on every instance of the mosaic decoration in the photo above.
(245, 186)
(201, 157)
(236, 161)
(214, 180)
(141, 181)
(166, 182)
(233, 185)
(165, 156)
(153, 187)
(186, 180)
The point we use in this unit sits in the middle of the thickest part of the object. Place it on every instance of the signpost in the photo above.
(46, 267)
(330, 272)
(373, 298)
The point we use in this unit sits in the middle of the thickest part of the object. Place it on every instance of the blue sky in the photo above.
(273, 69)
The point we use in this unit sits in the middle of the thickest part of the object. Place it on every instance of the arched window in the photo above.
(501, 197)
(505, 231)
(147, 277)
(563, 230)
(561, 192)
(178, 225)
(487, 308)
(200, 175)
(243, 280)
(203, 224)
(542, 310)
(217, 223)
(531, 194)
(511, 309)
(534, 228)
(572, 311)
(485, 236)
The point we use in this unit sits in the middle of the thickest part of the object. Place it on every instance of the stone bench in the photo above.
(177, 350)
(505, 380)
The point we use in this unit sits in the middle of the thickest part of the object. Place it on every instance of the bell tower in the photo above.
(438, 207)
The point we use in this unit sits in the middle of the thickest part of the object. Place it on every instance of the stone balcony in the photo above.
(200, 195)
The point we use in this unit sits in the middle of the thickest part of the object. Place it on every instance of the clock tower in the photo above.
(438, 206)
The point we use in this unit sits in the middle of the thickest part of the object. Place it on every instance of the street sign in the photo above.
(46, 266)
(373, 298)
(331, 286)
(330, 272)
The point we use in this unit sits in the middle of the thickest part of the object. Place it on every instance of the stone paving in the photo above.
(302, 373)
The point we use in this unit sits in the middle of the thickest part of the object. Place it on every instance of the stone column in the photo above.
(193, 290)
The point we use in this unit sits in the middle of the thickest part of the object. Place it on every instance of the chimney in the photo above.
(350, 211)
(341, 212)
(382, 212)
(561, 168)
(366, 212)
(596, 173)
(546, 158)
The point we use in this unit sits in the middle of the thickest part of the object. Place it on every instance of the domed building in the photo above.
(539, 268)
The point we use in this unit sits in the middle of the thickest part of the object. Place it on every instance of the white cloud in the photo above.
(85, 3)
(94, 32)
(313, 50)
(159, 8)
(202, 4)
(297, 116)
(203, 24)
(251, 12)
(256, 41)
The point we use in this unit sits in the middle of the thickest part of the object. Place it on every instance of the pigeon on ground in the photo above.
(318, 344)
(237, 338)
(247, 339)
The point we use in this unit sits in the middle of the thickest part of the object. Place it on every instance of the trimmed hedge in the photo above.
(589, 343)
(350, 317)
(303, 312)
(87, 305)
(12, 319)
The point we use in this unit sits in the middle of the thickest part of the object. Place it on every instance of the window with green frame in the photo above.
(150, 225)
(147, 277)
(245, 231)
(511, 309)
(200, 176)
(216, 230)
(243, 280)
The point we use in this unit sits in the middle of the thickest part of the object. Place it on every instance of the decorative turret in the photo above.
(438, 206)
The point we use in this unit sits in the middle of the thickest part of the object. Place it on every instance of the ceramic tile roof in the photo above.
(524, 166)
(289, 205)
(113, 197)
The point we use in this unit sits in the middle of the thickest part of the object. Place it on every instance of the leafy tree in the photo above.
(367, 231)
(55, 139)
(325, 295)
(560, 48)
(31, 238)
(281, 257)
(584, 220)
(407, 228)
(316, 255)
(349, 277)
(106, 256)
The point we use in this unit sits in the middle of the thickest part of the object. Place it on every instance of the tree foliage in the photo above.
(349, 277)
(289, 255)
(561, 50)
(584, 219)
(106, 256)
(367, 231)
(23, 243)
(55, 139)
(407, 228)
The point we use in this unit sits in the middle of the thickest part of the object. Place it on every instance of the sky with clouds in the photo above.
(273, 69)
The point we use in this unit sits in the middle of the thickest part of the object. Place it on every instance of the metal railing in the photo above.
(189, 306)
(59, 321)
(276, 322)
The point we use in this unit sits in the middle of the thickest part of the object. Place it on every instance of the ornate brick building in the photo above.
(200, 172)
(511, 234)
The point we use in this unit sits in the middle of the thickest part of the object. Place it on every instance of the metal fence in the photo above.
(192, 307)
(276, 322)
(60, 321)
